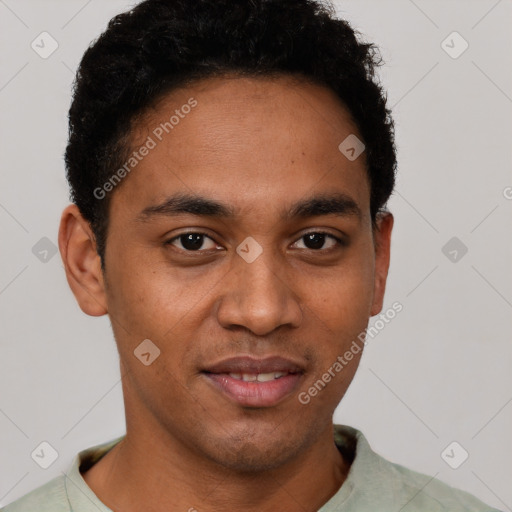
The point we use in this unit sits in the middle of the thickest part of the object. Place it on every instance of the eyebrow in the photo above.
(323, 204)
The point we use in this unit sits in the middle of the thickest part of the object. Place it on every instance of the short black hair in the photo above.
(161, 45)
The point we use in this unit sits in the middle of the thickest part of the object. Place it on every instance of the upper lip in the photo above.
(246, 364)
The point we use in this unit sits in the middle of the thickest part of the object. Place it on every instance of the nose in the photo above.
(258, 297)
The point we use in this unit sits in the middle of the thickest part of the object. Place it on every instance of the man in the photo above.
(230, 164)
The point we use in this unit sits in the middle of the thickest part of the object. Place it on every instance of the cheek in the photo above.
(343, 299)
(151, 300)
(148, 295)
(339, 321)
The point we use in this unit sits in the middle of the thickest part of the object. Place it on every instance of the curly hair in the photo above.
(161, 45)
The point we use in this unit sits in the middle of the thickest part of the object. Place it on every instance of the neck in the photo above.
(156, 473)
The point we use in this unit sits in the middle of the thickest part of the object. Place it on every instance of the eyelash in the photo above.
(340, 242)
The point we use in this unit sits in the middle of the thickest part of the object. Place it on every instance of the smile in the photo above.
(260, 377)
(254, 389)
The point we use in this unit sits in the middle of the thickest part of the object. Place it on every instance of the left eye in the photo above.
(316, 240)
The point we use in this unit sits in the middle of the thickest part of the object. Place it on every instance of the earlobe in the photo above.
(382, 235)
(81, 262)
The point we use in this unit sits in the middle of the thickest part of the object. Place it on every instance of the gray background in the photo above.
(439, 372)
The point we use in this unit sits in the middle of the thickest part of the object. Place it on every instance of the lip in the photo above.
(247, 364)
(255, 394)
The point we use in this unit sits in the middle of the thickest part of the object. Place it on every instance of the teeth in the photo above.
(280, 374)
(260, 377)
(265, 377)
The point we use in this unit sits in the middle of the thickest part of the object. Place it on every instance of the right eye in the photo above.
(190, 242)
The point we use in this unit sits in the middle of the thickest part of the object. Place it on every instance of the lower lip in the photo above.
(255, 394)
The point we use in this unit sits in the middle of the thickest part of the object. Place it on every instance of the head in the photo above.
(215, 214)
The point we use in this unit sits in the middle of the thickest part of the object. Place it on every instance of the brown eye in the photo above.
(316, 241)
(191, 241)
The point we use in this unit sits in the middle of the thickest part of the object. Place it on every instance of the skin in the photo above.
(258, 145)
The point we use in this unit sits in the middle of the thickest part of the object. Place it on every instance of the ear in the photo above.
(82, 263)
(382, 242)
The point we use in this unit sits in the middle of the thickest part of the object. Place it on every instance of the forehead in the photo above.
(248, 142)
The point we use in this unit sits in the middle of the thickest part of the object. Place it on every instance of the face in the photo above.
(243, 231)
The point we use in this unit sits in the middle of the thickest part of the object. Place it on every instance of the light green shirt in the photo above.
(373, 485)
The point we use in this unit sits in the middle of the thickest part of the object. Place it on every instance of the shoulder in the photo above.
(429, 493)
(67, 492)
(375, 482)
(50, 497)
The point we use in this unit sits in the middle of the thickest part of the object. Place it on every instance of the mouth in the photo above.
(253, 382)
(258, 377)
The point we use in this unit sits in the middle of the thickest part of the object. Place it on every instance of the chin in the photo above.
(252, 460)
(254, 454)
